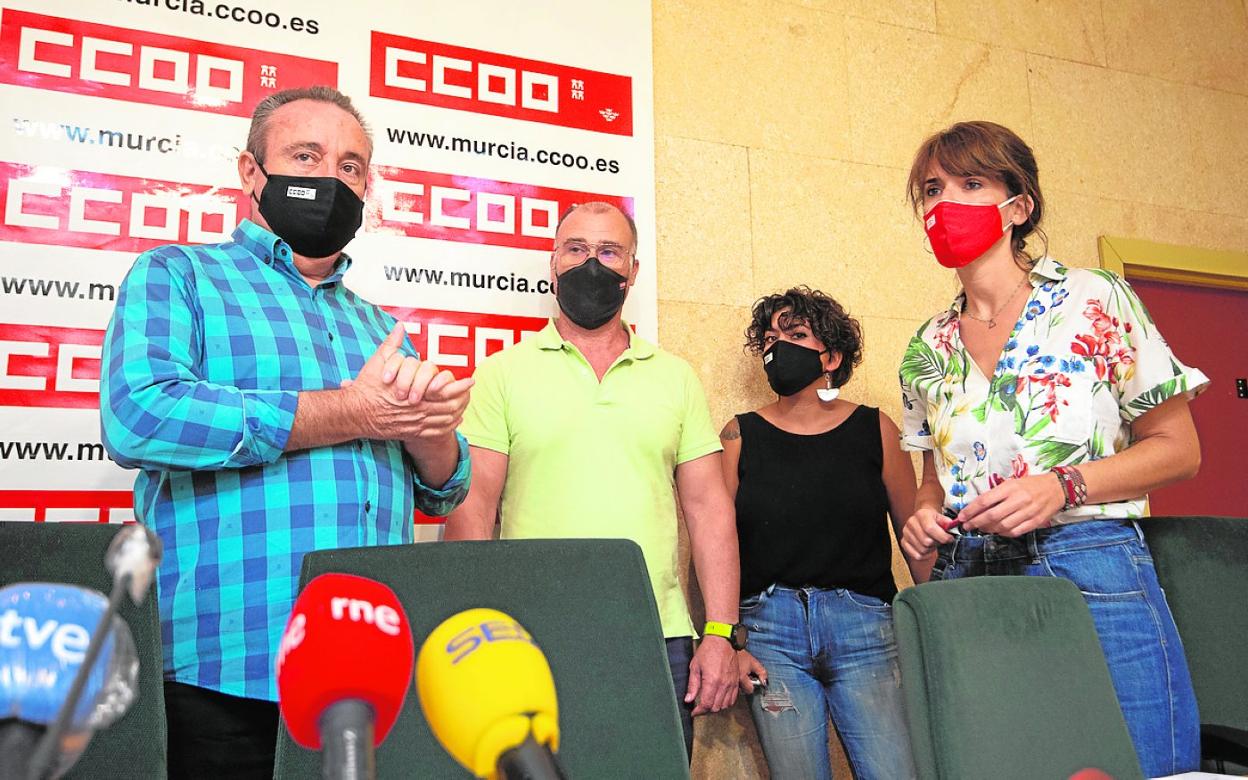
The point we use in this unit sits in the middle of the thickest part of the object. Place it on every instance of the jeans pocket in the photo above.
(751, 604)
(750, 611)
(867, 602)
(1108, 572)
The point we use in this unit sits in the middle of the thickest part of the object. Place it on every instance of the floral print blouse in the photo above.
(1083, 361)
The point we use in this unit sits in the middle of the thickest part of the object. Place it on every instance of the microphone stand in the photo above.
(530, 760)
(40, 763)
(347, 751)
(18, 740)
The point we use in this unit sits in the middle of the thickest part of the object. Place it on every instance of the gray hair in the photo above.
(258, 134)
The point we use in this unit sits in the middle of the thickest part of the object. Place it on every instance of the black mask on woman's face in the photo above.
(590, 294)
(791, 367)
(316, 215)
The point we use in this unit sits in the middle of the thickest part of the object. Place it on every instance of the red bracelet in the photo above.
(1068, 492)
(1073, 486)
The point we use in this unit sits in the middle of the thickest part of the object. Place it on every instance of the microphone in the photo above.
(343, 668)
(488, 695)
(132, 558)
(44, 644)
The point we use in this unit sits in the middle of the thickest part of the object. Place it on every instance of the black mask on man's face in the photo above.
(590, 294)
(316, 215)
(791, 367)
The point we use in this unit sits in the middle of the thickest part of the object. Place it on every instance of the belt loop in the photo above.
(953, 551)
(1139, 532)
(771, 589)
(1033, 546)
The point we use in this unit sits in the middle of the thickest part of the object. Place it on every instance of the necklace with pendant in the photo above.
(991, 321)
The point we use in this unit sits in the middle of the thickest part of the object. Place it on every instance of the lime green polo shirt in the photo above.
(590, 459)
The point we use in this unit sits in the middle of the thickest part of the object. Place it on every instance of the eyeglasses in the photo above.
(607, 252)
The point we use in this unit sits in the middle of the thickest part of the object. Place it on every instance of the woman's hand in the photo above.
(1016, 506)
(926, 529)
(747, 665)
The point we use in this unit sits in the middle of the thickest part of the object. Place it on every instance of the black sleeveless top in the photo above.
(812, 509)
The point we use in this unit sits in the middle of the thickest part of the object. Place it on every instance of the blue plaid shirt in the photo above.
(203, 363)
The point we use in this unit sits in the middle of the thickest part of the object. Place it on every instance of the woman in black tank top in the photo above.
(816, 478)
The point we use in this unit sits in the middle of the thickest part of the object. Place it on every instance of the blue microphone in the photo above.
(46, 632)
(132, 558)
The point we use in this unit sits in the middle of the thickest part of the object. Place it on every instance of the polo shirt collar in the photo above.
(265, 245)
(638, 348)
(548, 337)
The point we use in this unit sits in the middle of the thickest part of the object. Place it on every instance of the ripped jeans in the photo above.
(827, 652)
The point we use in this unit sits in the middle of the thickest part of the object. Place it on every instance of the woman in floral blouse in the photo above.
(1047, 405)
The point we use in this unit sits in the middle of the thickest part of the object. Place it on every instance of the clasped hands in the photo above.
(400, 397)
(1012, 508)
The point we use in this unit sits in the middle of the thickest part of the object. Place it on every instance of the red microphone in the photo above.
(343, 670)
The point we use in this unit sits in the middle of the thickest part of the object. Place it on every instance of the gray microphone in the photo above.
(132, 558)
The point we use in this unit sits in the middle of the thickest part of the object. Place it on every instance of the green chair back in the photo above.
(587, 603)
(1004, 677)
(1202, 564)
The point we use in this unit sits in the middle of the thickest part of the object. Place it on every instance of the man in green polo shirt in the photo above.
(585, 430)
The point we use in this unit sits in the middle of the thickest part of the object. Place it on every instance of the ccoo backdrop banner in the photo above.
(123, 120)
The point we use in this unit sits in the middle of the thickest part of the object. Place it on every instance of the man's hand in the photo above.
(1016, 506)
(399, 397)
(712, 676)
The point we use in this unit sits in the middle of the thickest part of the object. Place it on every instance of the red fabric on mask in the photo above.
(961, 232)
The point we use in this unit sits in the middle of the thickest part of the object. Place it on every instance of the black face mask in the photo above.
(316, 215)
(590, 294)
(790, 367)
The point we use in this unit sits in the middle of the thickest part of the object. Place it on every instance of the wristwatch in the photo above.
(735, 633)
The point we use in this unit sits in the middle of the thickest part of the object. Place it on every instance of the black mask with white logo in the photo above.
(790, 367)
(316, 215)
(590, 294)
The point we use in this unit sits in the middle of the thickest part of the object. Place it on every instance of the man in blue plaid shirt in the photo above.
(272, 412)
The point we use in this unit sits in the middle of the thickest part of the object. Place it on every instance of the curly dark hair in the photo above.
(827, 320)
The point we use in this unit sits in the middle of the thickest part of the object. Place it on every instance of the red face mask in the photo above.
(961, 232)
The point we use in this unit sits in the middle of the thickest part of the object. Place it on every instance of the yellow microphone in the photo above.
(488, 695)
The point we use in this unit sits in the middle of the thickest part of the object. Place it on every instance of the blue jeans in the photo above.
(679, 656)
(827, 652)
(1113, 568)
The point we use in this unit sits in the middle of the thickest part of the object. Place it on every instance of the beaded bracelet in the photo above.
(1073, 486)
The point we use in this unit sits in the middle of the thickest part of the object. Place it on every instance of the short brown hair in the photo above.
(257, 136)
(599, 207)
(827, 319)
(984, 149)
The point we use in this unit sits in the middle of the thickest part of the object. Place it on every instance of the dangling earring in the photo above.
(828, 393)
